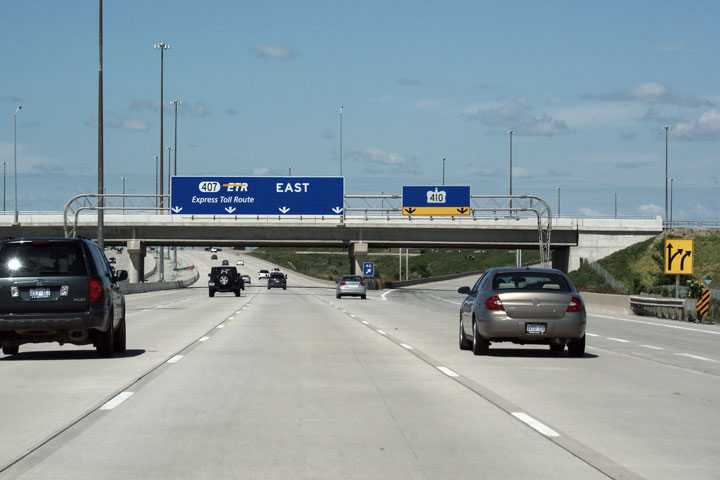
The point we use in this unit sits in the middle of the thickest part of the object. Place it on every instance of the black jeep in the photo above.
(225, 279)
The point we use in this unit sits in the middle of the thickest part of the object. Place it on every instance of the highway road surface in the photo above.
(298, 384)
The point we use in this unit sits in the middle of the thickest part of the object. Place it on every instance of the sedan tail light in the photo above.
(575, 305)
(362, 284)
(342, 284)
(95, 290)
(494, 303)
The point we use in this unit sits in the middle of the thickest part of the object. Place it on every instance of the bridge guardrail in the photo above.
(671, 308)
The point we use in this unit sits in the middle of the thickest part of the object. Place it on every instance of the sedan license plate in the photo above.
(37, 293)
(536, 328)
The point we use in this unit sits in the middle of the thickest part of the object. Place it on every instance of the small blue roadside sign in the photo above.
(257, 195)
(436, 200)
(368, 269)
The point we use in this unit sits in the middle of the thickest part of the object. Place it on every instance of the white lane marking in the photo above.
(591, 334)
(446, 300)
(695, 357)
(406, 346)
(231, 318)
(384, 294)
(220, 326)
(618, 340)
(448, 372)
(544, 429)
(381, 332)
(353, 316)
(657, 324)
(119, 398)
(652, 347)
(363, 321)
(175, 359)
(204, 339)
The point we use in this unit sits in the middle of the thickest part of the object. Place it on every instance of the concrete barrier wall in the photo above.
(130, 288)
(606, 303)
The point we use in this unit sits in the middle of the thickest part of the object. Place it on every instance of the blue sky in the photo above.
(586, 86)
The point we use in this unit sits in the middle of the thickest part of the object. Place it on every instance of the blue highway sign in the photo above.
(436, 200)
(257, 195)
(368, 269)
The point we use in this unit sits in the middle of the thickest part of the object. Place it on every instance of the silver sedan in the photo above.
(525, 306)
(351, 285)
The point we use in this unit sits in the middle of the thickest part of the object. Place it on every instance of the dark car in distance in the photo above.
(277, 280)
(60, 290)
(225, 279)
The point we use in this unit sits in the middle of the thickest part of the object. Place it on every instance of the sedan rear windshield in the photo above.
(42, 259)
(530, 281)
(352, 278)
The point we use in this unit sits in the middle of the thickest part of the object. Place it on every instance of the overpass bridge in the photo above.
(369, 221)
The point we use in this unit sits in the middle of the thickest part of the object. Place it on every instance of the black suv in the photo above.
(225, 279)
(277, 279)
(60, 290)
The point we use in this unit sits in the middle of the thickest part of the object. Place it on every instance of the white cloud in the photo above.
(380, 161)
(589, 212)
(282, 51)
(651, 209)
(653, 92)
(516, 115)
(261, 171)
(706, 128)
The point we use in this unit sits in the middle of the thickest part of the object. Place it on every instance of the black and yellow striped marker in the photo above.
(703, 303)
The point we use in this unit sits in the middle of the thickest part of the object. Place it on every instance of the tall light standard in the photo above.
(176, 103)
(4, 168)
(341, 109)
(443, 171)
(671, 199)
(123, 197)
(666, 171)
(156, 180)
(162, 47)
(510, 132)
(615, 195)
(558, 189)
(15, 158)
(169, 149)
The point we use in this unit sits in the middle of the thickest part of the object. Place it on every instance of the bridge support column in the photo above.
(136, 250)
(561, 259)
(358, 251)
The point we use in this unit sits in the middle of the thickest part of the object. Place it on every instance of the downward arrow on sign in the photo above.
(230, 209)
(177, 209)
(284, 209)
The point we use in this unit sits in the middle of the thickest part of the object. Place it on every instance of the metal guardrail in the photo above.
(671, 308)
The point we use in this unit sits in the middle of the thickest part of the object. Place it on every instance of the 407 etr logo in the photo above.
(213, 187)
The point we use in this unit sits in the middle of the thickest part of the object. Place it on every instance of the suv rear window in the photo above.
(277, 275)
(42, 259)
(224, 271)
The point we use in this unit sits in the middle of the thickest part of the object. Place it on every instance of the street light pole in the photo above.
(615, 195)
(156, 181)
(169, 149)
(443, 171)
(671, 200)
(4, 169)
(510, 132)
(558, 213)
(162, 47)
(666, 171)
(176, 103)
(15, 158)
(123, 197)
(341, 171)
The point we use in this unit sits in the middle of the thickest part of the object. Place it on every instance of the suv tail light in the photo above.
(494, 303)
(95, 290)
(575, 305)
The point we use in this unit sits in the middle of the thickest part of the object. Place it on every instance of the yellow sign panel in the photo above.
(678, 256)
(455, 211)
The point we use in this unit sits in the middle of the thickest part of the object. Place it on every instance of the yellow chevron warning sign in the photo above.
(703, 303)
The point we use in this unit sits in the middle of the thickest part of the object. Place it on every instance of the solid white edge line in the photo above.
(540, 427)
(695, 357)
(203, 339)
(117, 400)
(592, 334)
(448, 372)
(384, 294)
(655, 324)
(175, 359)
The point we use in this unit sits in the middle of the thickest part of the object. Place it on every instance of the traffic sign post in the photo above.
(436, 200)
(368, 269)
(257, 195)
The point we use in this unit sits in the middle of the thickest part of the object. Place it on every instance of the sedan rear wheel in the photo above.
(463, 341)
(576, 348)
(480, 345)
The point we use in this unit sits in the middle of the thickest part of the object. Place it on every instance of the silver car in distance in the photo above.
(351, 285)
(524, 306)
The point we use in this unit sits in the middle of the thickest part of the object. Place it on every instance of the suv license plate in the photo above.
(211, 284)
(39, 293)
(535, 328)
